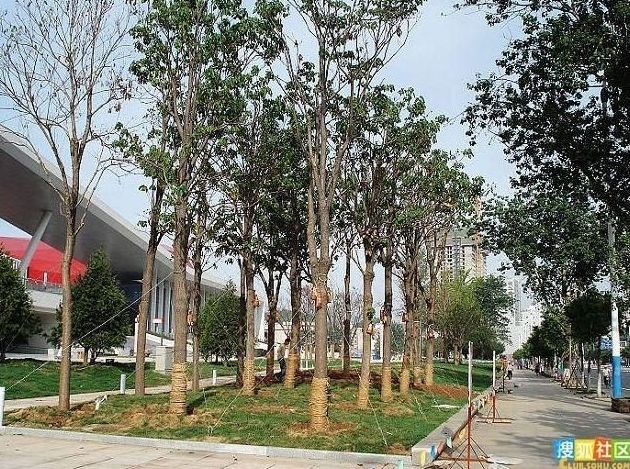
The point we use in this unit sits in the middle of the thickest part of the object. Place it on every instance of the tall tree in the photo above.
(193, 53)
(353, 42)
(149, 154)
(62, 68)
(367, 182)
(17, 320)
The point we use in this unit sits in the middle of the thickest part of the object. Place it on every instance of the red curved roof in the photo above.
(46, 259)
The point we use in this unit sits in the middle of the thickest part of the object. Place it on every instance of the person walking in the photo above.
(281, 356)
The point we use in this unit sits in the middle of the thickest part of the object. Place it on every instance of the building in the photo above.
(515, 327)
(29, 202)
(463, 254)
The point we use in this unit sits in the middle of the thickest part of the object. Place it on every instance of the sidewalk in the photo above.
(543, 411)
(22, 451)
(51, 401)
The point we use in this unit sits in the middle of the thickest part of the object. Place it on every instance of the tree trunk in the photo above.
(368, 310)
(86, 355)
(293, 362)
(319, 387)
(588, 372)
(180, 310)
(196, 304)
(599, 367)
(66, 311)
(415, 349)
(386, 371)
(249, 372)
(242, 323)
(348, 311)
(147, 288)
(407, 356)
(428, 368)
(143, 318)
(272, 302)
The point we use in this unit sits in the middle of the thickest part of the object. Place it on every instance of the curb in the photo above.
(429, 449)
(268, 451)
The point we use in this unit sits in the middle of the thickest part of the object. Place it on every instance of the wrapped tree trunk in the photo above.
(368, 313)
(386, 371)
(318, 405)
(180, 261)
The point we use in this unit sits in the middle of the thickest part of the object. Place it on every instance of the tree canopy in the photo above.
(17, 320)
(100, 317)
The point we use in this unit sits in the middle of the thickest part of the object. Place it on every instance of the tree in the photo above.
(550, 338)
(495, 304)
(100, 319)
(218, 325)
(353, 42)
(17, 321)
(148, 154)
(436, 196)
(193, 53)
(458, 312)
(367, 184)
(398, 338)
(589, 316)
(62, 67)
(560, 102)
(557, 240)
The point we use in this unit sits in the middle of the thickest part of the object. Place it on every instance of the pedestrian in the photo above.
(537, 369)
(281, 355)
(510, 370)
(606, 376)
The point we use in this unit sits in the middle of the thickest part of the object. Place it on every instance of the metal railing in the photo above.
(38, 285)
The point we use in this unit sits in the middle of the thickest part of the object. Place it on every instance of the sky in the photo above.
(444, 52)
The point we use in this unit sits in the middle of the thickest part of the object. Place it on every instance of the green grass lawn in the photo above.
(275, 416)
(205, 368)
(90, 378)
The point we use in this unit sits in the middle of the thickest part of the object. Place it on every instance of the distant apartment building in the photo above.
(515, 324)
(463, 253)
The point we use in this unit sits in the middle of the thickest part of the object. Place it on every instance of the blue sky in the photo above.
(444, 52)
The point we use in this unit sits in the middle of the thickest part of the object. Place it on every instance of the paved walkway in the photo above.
(543, 411)
(20, 451)
(15, 404)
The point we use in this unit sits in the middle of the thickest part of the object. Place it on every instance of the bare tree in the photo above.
(62, 68)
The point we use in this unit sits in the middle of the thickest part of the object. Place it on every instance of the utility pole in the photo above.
(616, 391)
(614, 316)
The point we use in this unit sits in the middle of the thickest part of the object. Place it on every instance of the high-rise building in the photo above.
(463, 253)
(515, 324)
